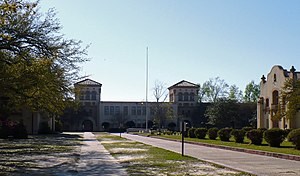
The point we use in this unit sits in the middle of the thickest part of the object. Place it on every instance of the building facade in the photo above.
(269, 100)
(97, 115)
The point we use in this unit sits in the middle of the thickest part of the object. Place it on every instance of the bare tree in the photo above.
(160, 109)
(216, 88)
(159, 91)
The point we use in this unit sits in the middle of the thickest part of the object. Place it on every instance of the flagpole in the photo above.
(147, 74)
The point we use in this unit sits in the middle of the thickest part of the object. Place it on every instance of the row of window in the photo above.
(88, 95)
(116, 110)
(186, 96)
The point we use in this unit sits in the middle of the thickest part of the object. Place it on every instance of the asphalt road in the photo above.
(251, 163)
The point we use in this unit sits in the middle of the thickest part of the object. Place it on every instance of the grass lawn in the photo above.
(142, 159)
(286, 147)
(41, 154)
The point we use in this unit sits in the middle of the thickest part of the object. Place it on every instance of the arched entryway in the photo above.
(87, 125)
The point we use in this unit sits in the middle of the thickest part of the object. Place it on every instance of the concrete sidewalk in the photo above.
(95, 160)
(255, 164)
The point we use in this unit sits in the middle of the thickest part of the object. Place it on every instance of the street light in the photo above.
(147, 89)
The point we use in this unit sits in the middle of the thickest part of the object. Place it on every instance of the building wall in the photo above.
(268, 102)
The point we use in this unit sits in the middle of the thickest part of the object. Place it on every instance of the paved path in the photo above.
(255, 164)
(95, 160)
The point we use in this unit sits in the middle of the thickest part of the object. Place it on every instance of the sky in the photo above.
(193, 40)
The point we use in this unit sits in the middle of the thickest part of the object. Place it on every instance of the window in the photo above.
(275, 97)
(144, 110)
(87, 95)
(275, 79)
(81, 96)
(267, 102)
(125, 110)
(112, 110)
(192, 97)
(139, 110)
(180, 97)
(186, 96)
(133, 110)
(117, 109)
(106, 110)
(94, 95)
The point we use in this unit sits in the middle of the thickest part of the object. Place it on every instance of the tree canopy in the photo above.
(251, 93)
(38, 65)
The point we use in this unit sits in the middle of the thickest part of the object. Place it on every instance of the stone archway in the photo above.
(87, 125)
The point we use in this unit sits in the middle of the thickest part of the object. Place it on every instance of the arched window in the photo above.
(186, 96)
(180, 97)
(267, 103)
(275, 97)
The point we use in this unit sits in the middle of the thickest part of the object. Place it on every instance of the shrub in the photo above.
(294, 137)
(200, 133)
(274, 137)
(20, 131)
(238, 135)
(246, 129)
(256, 136)
(191, 132)
(262, 130)
(224, 134)
(286, 132)
(213, 133)
(44, 128)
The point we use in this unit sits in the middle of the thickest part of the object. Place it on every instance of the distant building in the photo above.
(97, 115)
(269, 99)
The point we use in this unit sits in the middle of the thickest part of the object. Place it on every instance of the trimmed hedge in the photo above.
(238, 135)
(256, 136)
(246, 129)
(213, 133)
(224, 134)
(294, 137)
(200, 133)
(191, 133)
(274, 137)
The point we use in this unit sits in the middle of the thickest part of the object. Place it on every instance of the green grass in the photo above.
(142, 159)
(285, 148)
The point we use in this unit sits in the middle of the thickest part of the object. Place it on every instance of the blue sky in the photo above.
(194, 40)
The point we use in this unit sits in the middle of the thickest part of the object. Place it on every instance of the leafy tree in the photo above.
(230, 113)
(251, 93)
(38, 66)
(235, 93)
(203, 92)
(223, 113)
(290, 97)
(215, 88)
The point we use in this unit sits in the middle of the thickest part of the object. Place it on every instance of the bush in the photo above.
(262, 130)
(191, 132)
(256, 136)
(286, 132)
(200, 133)
(224, 134)
(238, 135)
(274, 137)
(246, 129)
(4, 132)
(20, 131)
(44, 128)
(213, 133)
(294, 137)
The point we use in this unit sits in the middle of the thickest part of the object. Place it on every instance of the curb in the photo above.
(250, 151)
